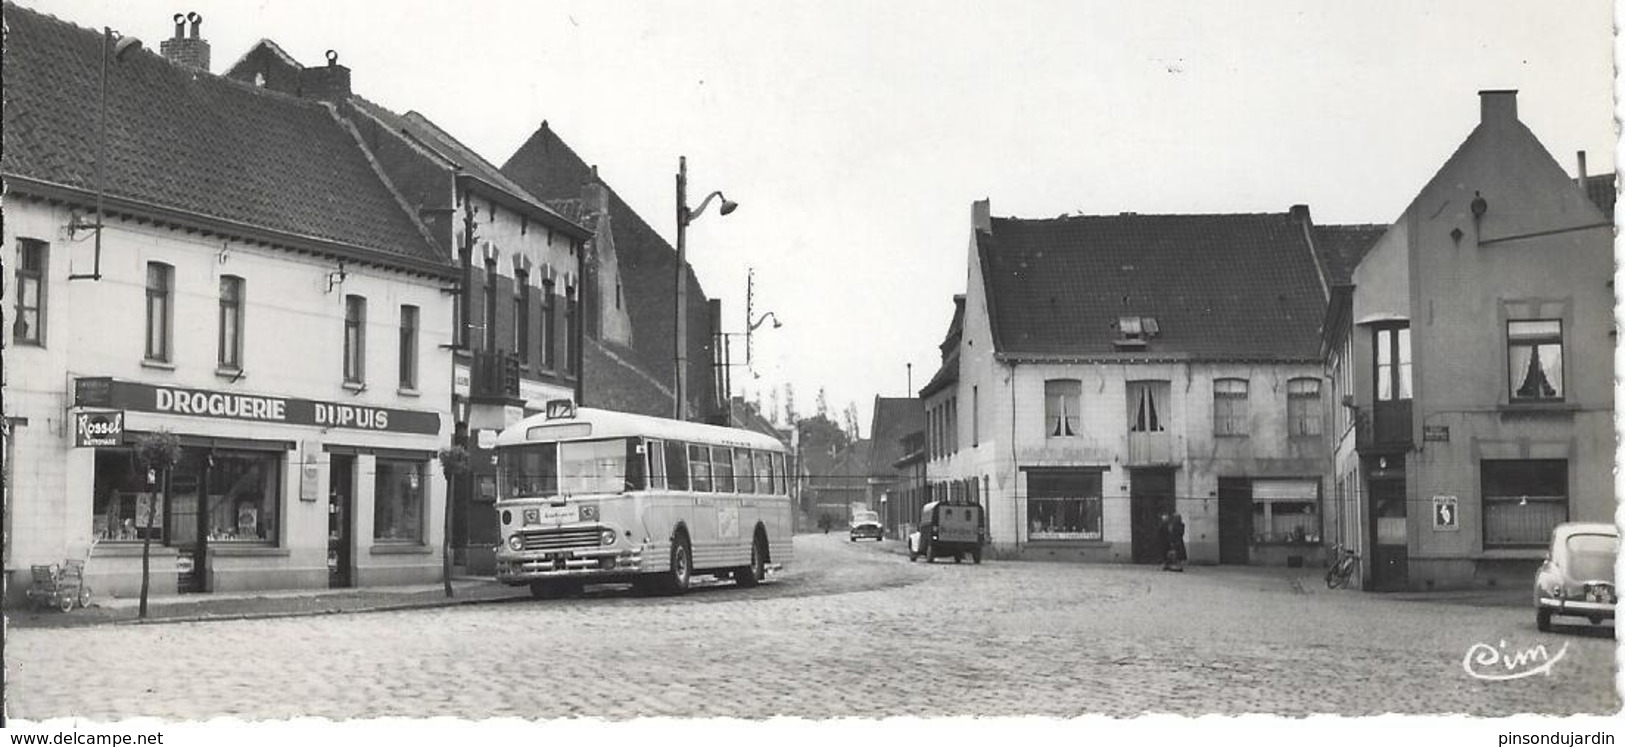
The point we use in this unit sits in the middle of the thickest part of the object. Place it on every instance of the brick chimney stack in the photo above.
(1497, 106)
(981, 216)
(331, 83)
(187, 51)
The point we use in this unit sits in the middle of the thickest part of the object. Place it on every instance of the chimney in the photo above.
(187, 51)
(1299, 215)
(981, 216)
(1498, 106)
(330, 83)
(1581, 157)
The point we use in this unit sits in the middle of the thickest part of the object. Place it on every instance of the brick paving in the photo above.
(851, 630)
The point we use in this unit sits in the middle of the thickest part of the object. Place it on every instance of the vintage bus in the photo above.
(588, 496)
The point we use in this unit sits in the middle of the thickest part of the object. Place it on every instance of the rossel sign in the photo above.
(129, 395)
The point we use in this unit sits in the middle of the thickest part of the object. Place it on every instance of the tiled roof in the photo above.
(550, 169)
(1233, 287)
(614, 383)
(1600, 188)
(1343, 246)
(894, 418)
(195, 143)
(948, 372)
(743, 414)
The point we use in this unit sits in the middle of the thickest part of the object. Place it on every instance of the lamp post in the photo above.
(684, 217)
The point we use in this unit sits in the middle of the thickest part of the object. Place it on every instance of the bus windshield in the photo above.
(550, 470)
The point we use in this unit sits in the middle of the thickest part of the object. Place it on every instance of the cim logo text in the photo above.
(216, 404)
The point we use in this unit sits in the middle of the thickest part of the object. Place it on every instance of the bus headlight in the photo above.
(516, 543)
(607, 537)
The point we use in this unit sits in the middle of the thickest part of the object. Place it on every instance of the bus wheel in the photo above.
(682, 565)
(753, 574)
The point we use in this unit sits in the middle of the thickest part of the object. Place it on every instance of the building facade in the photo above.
(1102, 371)
(1473, 350)
(278, 309)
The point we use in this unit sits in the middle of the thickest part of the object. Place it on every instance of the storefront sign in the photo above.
(98, 428)
(129, 395)
(1436, 433)
(1446, 513)
(310, 484)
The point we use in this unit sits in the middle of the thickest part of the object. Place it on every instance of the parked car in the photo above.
(1577, 579)
(949, 530)
(866, 524)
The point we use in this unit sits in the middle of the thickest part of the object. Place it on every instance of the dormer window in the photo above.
(1135, 331)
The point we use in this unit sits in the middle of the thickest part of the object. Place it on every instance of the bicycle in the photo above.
(1342, 567)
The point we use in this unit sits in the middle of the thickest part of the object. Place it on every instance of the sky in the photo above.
(855, 135)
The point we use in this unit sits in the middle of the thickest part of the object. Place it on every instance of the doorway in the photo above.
(340, 521)
(1390, 556)
(1235, 520)
(1151, 494)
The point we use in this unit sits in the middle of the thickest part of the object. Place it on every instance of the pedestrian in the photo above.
(1164, 548)
(1176, 543)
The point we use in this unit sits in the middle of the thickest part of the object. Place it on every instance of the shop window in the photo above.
(231, 323)
(1303, 407)
(1535, 360)
(744, 471)
(722, 469)
(409, 347)
(397, 501)
(1064, 504)
(676, 465)
(355, 339)
(29, 327)
(699, 466)
(1286, 511)
(1062, 399)
(1393, 361)
(160, 277)
(1524, 500)
(1229, 407)
(244, 496)
(122, 498)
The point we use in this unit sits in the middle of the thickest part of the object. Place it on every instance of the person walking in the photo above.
(1164, 544)
(1176, 543)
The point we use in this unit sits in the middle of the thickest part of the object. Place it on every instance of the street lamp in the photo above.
(684, 217)
(115, 47)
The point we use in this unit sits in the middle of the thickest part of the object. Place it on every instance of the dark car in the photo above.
(866, 524)
(1577, 579)
(949, 530)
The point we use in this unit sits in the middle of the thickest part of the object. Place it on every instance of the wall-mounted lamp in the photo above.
(412, 479)
(337, 277)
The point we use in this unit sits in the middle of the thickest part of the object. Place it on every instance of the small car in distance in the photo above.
(1577, 579)
(949, 530)
(866, 524)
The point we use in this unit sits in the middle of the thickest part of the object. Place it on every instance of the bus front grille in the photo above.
(561, 539)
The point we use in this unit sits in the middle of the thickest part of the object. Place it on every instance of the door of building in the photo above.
(340, 521)
(1235, 520)
(187, 522)
(1389, 553)
(1151, 494)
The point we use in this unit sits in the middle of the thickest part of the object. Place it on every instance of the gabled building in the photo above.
(1472, 356)
(893, 421)
(1101, 371)
(228, 263)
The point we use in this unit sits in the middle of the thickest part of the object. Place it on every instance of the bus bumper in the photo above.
(522, 568)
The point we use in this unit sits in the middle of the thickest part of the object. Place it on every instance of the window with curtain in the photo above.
(159, 279)
(1303, 407)
(355, 324)
(29, 326)
(231, 323)
(1146, 414)
(409, 347)
(1062, 401)
(1393, 361)
(1535, 360)
(1230, 407)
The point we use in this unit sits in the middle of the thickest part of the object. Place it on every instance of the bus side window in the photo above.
(636, 465)
(744, 472)
(676, 466)
(764, 472)
(699, 465)
(655, 451)
(784, 477)
(722, 469)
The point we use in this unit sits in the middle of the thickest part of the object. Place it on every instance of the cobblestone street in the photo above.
(850, 630)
